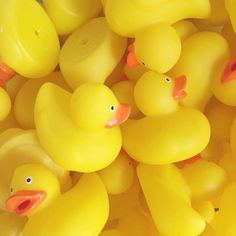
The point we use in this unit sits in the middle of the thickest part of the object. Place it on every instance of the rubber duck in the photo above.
(157, 47)
(159, 137)
(185, 29)
(207, 185)
(18, 147)
(134, 73)
(231, 8)
(225, 220)
(118, 177)
(128, 17)
(11, 224)
(24, 43)
(24, 107)
(230, 36)
(169, 201)
(35, 192)
(95, 44)
(205, 209)
(68, 16)
(124, 91)
(219, 15)
(90, 118)
(214, 52)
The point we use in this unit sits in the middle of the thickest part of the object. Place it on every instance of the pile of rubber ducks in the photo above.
(118, 118)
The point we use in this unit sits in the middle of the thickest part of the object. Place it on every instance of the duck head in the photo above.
(157, 94)
(33, 188)
(94, 106)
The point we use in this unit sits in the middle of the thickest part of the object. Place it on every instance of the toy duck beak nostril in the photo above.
(180, 84)
(132, 60)
(121, 116)
(229, 73)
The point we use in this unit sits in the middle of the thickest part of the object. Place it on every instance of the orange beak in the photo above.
(229, 73)
(180, 84)
(121, 116)
(132, 60)
(6, 74)
(22, 202)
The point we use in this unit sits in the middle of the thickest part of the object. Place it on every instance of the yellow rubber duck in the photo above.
(19, 147)
(69, 15)
(35, 192)
(30, 47)
(157, 47)
(11, 224)
(78, 130)
(168, 198)
(163, 136)
(230, 36)
(93, 44)
(203, 58)
(127, 17)
(231, 8)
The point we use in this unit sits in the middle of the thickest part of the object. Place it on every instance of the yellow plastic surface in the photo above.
(169, 201)
(119, 176)
(24, 107)
(91, 53)
(111, 232)
(230, 6)
(68, 15)
(230, 36)
(128, 17)
(28, 43)
(68, 126)
(18, 147)
(5, 104)
(203, 58)
(135, 73)
(85, 205)
(206, 210)
(158, 47)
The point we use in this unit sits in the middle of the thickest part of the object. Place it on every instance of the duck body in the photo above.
(70, 146)
(81, 211)
(140, 13)
(168, 138)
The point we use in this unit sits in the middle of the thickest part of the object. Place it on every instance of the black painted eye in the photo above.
(142, 62)
(168, 80)
(28, 180)
(112, 108)
(11, 190)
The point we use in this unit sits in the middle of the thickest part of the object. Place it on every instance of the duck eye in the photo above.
(28, 180)
(112, 108)
(168, 80)
(11, 190)
(142, 62)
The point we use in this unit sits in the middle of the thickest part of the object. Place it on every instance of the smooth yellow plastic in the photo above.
(163, 136)
(233, 137)
(9, 122)
(205, 25)
(135, 73)
(118, 177)
(11, 225)
(68, 125)
(225, 223)
(230, 36)
(169, 200)
(18, 147)
(124, 91)
(68, 15)
(14, 85)
(85, 205)
(205, 209)
(219, 15)
(128, 17)
(158, 47)
(111, 232)
(205, 179)
(26, 96)
(203, 58)
(230, 6)
(5, 104)
(28, 43)
(91, 53)
(185, 29)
